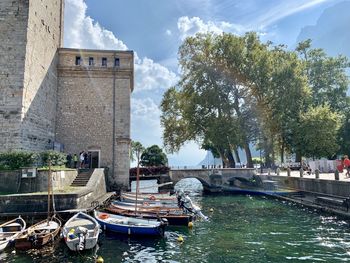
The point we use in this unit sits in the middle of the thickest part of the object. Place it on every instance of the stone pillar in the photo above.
(278, 171)
(269, 171)
(336, 175)
(301, 173)
(288, 171)
(317, 174)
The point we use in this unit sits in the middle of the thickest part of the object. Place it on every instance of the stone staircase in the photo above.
(82, 178)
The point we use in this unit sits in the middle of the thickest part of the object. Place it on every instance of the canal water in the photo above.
(241, 229)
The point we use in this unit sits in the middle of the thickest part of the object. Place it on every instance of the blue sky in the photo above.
(154, 29)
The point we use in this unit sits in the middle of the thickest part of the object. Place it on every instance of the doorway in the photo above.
(94, 158)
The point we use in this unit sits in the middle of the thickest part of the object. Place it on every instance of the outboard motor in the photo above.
(82, 233)
(187, 204)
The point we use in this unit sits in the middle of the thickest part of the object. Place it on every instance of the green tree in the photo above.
(136, 151)
(317, 133)
(326, 76)
(153, 156)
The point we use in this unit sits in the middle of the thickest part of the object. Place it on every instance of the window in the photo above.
(91, 61)
(104, 62)
(77, 60)
(116, 62)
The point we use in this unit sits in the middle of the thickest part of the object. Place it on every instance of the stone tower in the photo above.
(30, 35)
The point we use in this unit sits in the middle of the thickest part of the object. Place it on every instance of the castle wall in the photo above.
(40, 74)
(13, 39)
(90, 97)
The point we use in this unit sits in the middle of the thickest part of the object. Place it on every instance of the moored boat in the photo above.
(145, 207)
(173, 218)
(39, 234)
(81, 232)
(10, 230)
(149, 199)
(129, 225)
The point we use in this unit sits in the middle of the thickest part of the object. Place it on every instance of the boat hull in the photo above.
(131, 230)
(30, 239)
(9, 231)
(173, 219)
(74, 238)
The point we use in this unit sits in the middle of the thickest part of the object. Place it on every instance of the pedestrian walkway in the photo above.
(323, 176)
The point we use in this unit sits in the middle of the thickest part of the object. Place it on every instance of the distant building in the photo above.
(64, 98)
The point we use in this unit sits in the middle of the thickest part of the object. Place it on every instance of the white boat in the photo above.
(81, 232)
(10, 230)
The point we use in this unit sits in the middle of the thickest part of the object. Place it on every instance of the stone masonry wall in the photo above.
(13, 39)
(85, 109)
(40, 75)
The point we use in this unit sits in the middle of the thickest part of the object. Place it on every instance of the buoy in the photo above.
(99, 260)
(190, 224)
(211, 210)
(103, 216)
(180, 239)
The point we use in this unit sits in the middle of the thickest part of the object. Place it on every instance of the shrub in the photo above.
(14, 160)
(57, 158)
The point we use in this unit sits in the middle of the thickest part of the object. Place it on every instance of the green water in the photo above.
(241, 229)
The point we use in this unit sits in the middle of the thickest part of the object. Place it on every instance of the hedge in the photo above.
(14, 160)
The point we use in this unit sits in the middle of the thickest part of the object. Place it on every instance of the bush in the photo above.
(14, 160)
(57, 158)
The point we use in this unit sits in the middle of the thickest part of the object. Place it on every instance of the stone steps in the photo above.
(82, 178)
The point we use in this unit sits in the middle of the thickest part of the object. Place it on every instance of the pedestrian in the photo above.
(347, 165)
(81, 157)
(85, 160)
(75, 160)
(68, 160)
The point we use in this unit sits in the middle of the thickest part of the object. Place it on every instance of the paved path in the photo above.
(323, 176)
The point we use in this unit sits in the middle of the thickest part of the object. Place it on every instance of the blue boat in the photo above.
(129, 225)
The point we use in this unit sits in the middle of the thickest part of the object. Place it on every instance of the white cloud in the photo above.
(152, 76)
(168, 32)
(81, 31)
(190, 26)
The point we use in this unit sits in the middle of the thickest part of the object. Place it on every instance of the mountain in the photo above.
(331, 31)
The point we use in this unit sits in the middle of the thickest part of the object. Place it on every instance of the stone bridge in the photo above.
(212, 179)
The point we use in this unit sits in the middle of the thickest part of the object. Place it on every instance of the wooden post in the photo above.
(336, 175)
(49, 193)
(301, 172)
(288, 172)
(317, 174)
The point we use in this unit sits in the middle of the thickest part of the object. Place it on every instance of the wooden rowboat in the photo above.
(145, 207)
(172, 218)
(10, 230)
(39, 234)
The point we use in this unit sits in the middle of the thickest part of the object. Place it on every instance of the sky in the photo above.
(154, 30)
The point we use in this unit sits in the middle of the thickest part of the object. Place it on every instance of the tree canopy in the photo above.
(236, 91)
(153, 156)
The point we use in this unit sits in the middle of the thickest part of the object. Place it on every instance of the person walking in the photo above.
(347, 165)
(69, 160)
(75, 160)
(81, 159)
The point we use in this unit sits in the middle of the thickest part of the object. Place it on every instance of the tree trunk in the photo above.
(231, 160)
(235, 149)
(282, 153)
(248, 155)
(298, 157)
